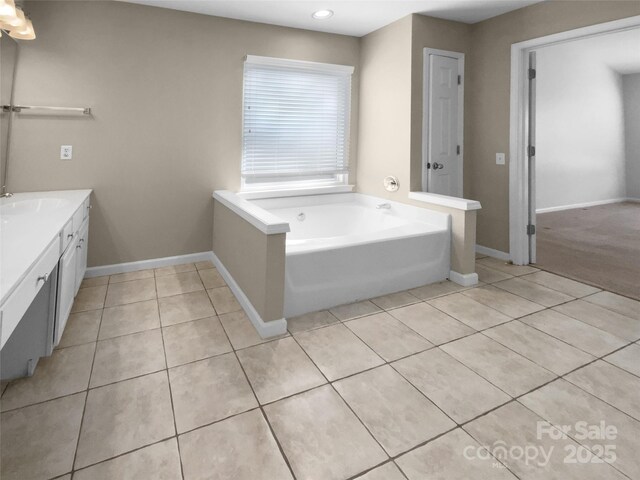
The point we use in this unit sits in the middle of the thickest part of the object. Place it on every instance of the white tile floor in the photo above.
(160, 375)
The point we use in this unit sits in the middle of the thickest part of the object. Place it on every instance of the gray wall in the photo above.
(166, 91)
(580, 153)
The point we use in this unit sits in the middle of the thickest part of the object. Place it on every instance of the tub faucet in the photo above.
(386, 206)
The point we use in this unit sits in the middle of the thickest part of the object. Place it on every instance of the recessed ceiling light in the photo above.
(322, 14)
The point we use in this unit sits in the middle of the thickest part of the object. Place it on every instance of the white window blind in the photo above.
(295, 120)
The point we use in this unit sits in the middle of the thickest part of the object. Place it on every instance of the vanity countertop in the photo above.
(29, 222)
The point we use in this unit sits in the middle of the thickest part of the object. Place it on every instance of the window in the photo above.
(295, 123)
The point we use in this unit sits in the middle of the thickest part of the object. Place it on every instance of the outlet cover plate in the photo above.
(66, 152)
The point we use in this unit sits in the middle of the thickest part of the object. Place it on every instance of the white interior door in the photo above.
(444, 166)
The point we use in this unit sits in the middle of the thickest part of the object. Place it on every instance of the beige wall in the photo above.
(385, 109)
(166, 92)
(487, 93)
(256, 261)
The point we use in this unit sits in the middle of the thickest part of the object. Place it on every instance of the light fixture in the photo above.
(18, 21)
(322, 14)
(7, 10)
(14, 22)
(24, 33)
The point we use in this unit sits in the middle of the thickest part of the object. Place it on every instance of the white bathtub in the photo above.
(342, 249)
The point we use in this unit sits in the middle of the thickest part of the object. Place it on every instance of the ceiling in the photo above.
(351, 17)
(620, 51)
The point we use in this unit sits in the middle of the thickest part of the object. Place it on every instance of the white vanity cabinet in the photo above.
(71, 269)
(43, 259)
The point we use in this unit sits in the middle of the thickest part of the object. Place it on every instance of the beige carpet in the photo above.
(597, 245)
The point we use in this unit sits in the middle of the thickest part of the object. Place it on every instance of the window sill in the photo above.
(295, 192)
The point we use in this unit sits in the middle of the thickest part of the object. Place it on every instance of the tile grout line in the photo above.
(259, 406)
(335, 390)
(166, 369)
(391, 458)
(86, 398)
(264, 414)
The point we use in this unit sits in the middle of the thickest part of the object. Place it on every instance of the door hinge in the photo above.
(532, 73)
(531, 229)
(458, 149)
(459, 79)
(531, 151)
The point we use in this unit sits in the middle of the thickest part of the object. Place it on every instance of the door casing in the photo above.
(425, 112)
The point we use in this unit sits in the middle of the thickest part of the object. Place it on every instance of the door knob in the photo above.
(438, 166)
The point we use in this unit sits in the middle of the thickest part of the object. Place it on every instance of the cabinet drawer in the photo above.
(66, 236)
(16, 305)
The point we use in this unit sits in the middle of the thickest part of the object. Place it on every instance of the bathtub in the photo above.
(342, 248)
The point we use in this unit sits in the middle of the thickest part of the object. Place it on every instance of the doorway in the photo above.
(442, 146)
(522, 167)
(575, 171)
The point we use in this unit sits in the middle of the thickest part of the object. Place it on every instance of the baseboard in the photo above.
(265, 329)
(490, 252)
(584, 205)
(632, 199)
(146, 264)
(464, 279)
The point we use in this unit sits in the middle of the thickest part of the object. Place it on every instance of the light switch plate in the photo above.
(66, 152)
(500, 158)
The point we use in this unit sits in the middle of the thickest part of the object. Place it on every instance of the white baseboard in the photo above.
(584, 205)
(145, 264)
(490, 252)
(265, 329)
(464, 279)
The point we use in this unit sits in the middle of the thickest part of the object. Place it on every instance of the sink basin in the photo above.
(31, 206)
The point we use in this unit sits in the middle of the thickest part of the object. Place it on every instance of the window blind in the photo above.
(295, 119)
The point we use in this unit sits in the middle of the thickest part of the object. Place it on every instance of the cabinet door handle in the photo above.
(78, 246)
(69, 235)
(44, 278)
(81, 240)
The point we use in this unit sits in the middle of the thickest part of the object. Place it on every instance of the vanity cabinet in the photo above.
(71, 270)
(44, 259)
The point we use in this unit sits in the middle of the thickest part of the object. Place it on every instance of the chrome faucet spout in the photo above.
(383, 205)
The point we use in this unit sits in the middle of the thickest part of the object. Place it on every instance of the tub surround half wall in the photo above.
(463, 232)
(394, 247)
(251, 260)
